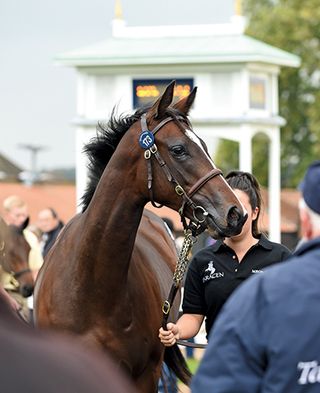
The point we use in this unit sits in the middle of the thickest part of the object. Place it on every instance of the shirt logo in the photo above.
(256, 271)
(310, 372)
(212, 273)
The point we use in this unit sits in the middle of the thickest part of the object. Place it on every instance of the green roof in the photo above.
(212, 49)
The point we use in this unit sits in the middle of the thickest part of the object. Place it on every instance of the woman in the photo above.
(217, 270)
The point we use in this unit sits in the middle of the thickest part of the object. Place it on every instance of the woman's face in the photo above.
(252, 214)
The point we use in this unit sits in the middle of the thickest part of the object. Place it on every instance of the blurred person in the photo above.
(16, 214)
(267, 337)
(36, 361)
(50, 226)
(217, 270)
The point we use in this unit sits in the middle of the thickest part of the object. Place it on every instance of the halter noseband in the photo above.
(199, 213)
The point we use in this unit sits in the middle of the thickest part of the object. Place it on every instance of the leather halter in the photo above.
(186, 196)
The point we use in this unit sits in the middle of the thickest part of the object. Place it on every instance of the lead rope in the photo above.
(178, 276)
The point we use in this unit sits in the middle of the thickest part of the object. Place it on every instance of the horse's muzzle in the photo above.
(26, 290)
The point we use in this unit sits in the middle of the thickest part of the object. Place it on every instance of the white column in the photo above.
(274, 186)
(245, 150)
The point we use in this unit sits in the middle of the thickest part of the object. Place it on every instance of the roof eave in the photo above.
(142, 61)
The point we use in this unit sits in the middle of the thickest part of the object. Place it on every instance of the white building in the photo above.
(236, 75)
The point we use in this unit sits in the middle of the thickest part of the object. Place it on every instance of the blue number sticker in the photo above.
(146, 139)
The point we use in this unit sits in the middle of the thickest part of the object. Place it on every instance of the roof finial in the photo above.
(118, 10)
(238, 7)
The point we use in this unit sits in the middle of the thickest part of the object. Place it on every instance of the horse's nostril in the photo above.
(26, 290)
(235, 217)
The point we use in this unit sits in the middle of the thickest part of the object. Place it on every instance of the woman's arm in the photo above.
(187, 326)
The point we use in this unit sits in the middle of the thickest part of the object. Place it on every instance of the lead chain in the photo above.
(183, 259)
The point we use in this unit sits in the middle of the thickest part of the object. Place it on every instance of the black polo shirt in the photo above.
(215, 272)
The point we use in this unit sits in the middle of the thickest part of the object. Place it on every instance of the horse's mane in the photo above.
(100, 148)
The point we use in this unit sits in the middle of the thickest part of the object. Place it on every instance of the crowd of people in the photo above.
(40, 237)
(258, 300)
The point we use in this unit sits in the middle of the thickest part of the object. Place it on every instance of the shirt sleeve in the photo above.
(234, 360)
(193, 298)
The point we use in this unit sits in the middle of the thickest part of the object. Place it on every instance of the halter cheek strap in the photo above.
(199, 213)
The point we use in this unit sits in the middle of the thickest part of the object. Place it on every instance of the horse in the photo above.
(14, 255)
(110, 269)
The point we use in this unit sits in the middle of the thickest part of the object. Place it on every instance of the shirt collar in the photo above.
(263, 242)
(307, 246)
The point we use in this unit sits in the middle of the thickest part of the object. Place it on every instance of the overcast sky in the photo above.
(37, 98)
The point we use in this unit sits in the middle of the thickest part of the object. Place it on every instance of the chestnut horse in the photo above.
(105, 279)
(14, 255)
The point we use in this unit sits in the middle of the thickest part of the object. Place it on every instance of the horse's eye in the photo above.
(178, 150)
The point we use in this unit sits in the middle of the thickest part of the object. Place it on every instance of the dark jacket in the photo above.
(266, 339)
(48, 238)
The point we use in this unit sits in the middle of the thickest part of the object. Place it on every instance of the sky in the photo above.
(38, 97)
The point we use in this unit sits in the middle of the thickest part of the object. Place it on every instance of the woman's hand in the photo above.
(170, 336)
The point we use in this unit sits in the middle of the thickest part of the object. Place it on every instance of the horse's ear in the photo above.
(159, 107)
(185, 103)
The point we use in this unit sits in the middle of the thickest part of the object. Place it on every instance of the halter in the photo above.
(147, 141)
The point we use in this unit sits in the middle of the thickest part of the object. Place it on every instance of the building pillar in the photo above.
(274, 186)
(245, 149)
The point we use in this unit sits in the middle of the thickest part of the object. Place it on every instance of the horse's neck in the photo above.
(111, 223)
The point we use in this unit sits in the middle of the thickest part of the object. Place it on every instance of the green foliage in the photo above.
(294, 26)
(227, 155)
(260, 150)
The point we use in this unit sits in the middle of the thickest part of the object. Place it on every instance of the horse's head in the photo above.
(14, 254)
(179, 172)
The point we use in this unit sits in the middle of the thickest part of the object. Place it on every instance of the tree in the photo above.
(294, 26)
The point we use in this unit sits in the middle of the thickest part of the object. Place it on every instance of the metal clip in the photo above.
(153, 149)
(166, 307)
(202, 211)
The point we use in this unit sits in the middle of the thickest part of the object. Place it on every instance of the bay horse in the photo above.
(14, 256)
(111, 268)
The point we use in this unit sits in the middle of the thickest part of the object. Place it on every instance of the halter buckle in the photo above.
(179, 190)
(147, 154)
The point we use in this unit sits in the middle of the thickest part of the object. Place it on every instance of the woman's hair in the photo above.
(246, 182)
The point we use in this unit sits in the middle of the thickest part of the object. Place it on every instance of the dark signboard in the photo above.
(146, 91)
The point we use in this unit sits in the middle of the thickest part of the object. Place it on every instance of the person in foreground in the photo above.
(267, 338)
(217, 270)
(33, 361)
